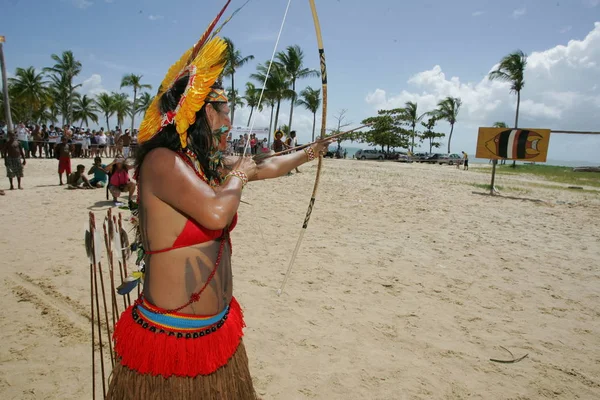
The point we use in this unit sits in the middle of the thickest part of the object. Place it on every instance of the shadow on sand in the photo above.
(101, 205)
(511, 197)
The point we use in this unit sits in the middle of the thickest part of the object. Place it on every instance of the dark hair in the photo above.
(199, 133)
(97, 159)
(80, 166)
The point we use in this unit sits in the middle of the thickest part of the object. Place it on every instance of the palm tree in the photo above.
(143, 103)
(84, 110)
(292, 61)
(270, 100)
(252, 98)
(234, 99)
(500, 125)
(512, 70)
(30, 88)
(62, 75)
(234, 61)
(18, 110)
(105, 103)
(311, 100)
(134, 81)
(121, 107)
(277, 84)
(448, 110)
(409, 114)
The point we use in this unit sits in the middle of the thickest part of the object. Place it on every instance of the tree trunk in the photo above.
(314, 122)
(133, 109)
(250, 117)
(430, 145)
(292, 105)
(270, 127)
(7, 113)
(277, 113)
(412, 145)
(450, 137)
(234, 98)
(107, 125)
(517, 120)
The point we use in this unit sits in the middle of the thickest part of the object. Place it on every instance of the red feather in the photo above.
(202, 40)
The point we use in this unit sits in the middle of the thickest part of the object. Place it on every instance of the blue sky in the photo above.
(380, 54)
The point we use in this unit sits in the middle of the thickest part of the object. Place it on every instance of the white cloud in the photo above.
(477, 13)
(591, 3)
(519, 12)
(82, 3)
(565, 29)
(155, 17)
(93, 86)
(560, 93)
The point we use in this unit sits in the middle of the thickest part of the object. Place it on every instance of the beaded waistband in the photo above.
(181, 325)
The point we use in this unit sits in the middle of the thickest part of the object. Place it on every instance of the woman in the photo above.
(278, 144)
(119, 181)
(183, 337)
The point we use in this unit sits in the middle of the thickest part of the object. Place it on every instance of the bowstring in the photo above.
(262, 91)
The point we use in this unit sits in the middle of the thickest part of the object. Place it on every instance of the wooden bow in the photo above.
(323, 129)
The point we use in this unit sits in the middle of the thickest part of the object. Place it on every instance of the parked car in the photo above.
(420, 157)
(454, 159)
(438, 158)
(369, 155)
(404, 158)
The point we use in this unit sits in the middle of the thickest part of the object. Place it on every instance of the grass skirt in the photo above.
(159, 362)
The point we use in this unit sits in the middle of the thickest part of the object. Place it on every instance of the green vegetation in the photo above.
(554, 174)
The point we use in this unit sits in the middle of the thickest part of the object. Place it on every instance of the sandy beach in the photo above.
(407, 283)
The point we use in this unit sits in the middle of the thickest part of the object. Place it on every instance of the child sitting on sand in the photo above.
(77, 179)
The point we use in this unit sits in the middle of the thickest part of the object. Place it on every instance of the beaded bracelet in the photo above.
(310, 153)
(240, 175)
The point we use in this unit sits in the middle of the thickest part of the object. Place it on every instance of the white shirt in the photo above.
(23, 134)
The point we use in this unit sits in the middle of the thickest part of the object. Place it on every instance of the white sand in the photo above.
(404, 288)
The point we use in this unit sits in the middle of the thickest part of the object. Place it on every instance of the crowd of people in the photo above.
(68, 142)
(63, 144)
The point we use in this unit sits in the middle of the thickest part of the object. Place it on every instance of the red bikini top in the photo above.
(194, 233)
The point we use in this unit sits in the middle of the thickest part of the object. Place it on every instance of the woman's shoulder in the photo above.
(161, 160)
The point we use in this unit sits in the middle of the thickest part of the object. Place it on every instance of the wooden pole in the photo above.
(494, 162)
(7, 113)
(91, 227)
(98, 317)
(576, 132)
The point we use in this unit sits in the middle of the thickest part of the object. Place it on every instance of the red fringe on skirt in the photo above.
(160, 354)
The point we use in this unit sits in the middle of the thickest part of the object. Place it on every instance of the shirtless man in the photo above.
(126, 142)
(12, 151)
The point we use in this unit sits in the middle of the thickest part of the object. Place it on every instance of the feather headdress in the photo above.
(203, 64)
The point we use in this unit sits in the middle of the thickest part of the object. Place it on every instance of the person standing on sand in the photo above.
(126, 143)
(183, 337)
(63, 154)
(12, 151)
(23, 136)
(465, 161)
(292, 142)
(278, 144)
